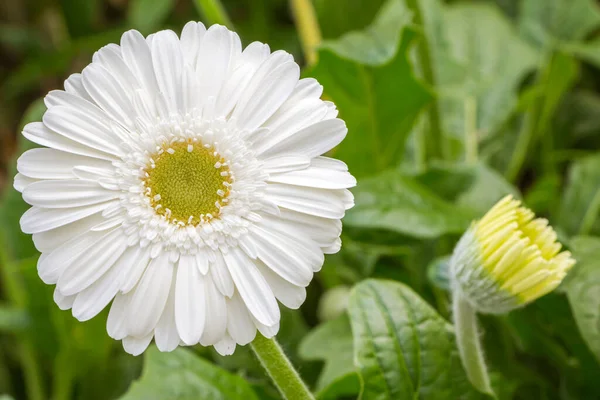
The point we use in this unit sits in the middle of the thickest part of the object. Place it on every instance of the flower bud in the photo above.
(508, 259)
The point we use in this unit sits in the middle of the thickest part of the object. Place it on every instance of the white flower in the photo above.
(184, 180)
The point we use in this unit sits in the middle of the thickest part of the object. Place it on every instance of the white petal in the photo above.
(87, 267)
(221, 276)
(190, 302)
(263, 97)
(167, 61)
(216, 314)
(252, 287)
(323, 231)
(116, 324)
(287, 262)
(110, 58)
(150, 296)
(249, 61)
(108, 93)
(82, 127)
(66, 193)
(97, 296)
(51, 265)
(54, 164)
(137, 345)
(202, 262)
(137, 56)
(21, 182)
(266, 331)
(63, 302)
(38, 133)
(74, 85)
(133, 266)
(50, 240)
(166, 336)
(239, 322)
(288, 294)
(191, 37)
(289, 120)
(218, 51)
(37, 219)
(285, 163)
(225, 346)
(319, 202)
(323, 178)
(313, 140)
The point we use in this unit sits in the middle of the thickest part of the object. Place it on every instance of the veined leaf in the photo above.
(402, 348)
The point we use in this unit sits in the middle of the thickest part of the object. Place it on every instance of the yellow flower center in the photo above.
(188, 183)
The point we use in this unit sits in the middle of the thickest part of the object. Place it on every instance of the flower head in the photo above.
(184, 181)
(507, 259)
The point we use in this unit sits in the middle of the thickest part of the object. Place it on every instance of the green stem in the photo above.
(280, 369)
(214, 12)
(469, 345)
(309, 31)
(471, 140)
(434, 140)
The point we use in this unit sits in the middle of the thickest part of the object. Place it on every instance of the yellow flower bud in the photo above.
(507, 259)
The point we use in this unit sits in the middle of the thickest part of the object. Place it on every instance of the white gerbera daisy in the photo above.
(184, 181)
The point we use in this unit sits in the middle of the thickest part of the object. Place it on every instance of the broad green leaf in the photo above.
(548, 23)
(581, 200)
(481, 60)
(337, 17)
(375, 91)
(149, 15)
(331, 342)
(402, 348)
(399, 203)
(377, 44)
(183, 375)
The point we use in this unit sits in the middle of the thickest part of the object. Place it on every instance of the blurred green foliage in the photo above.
(450, 105)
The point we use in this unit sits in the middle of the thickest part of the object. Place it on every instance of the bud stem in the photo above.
(469, 345)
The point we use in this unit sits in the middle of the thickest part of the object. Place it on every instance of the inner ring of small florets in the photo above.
(187, 182)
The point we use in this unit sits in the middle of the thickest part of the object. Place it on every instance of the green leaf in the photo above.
(402, 347)
(357, 14)
(583, 289)
(581, 200)
(548, 23)
(80, 15)
(479, 59)
(377, 44)
(149, 15)
(331, 342)
(184, 376)
(375, 90)
(399, 203)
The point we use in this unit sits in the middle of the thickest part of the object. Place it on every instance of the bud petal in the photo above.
(508, 259)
